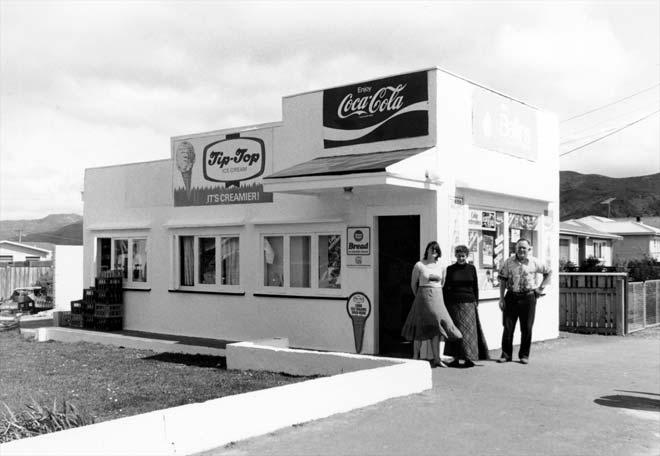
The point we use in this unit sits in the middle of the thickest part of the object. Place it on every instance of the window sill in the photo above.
(135, 289)
(298, 296)
(215, 292)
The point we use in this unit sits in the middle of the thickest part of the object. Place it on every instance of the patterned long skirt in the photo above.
(428, 317)
(473, 346)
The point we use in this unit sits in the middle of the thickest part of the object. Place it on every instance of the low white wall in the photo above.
(259, 356)
(68, 275)
(62, 334)
(200, 427)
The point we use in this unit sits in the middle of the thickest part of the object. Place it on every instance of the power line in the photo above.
(612, 103)
(609, 119)
(610, 133)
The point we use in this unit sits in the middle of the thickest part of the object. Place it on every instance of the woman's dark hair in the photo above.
(461, 249)
(436, 249)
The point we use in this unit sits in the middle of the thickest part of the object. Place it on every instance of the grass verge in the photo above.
(105, 382)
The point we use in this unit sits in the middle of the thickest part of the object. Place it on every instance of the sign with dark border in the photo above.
(380, 110)
(358, 240)
(358, 308)
(220, 169)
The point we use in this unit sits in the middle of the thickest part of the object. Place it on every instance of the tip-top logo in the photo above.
(234, 160)
(379, 110)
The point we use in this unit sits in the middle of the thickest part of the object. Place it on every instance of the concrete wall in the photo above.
(136, 200)
(68, 275)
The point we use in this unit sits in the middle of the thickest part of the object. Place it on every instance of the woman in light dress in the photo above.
(428, 318)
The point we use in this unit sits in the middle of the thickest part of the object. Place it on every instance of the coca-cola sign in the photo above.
(380, 110)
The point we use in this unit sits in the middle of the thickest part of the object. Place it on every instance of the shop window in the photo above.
(202, 264)
(523, 226)
(118, 253)
(298, 255)
(300, 261)
(486, 245)
(330, 261)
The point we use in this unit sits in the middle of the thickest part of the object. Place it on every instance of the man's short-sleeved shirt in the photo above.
(522, 276)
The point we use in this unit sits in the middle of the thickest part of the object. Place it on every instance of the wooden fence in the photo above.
(12, 277)
(606, 303)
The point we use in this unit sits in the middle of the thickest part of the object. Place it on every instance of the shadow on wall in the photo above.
(631, 402)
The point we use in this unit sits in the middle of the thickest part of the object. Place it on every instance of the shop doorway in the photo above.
(398, 251)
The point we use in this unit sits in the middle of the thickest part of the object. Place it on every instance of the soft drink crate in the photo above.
(89, 295)
(88, 320)
(76, 320)
(77, 307)
(115, 310)
(110, 296)
(88, 307)
(108, 282)
(109, 324)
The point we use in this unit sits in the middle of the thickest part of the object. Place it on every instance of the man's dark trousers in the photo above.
(518, 306)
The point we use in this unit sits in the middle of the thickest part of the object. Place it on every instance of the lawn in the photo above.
(106, 382)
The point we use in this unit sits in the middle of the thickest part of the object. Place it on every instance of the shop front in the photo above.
(309, 228)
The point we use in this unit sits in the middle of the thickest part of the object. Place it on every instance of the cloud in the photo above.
(89, 84)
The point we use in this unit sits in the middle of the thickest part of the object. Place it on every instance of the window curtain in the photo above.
(187, 254)
(230, 261)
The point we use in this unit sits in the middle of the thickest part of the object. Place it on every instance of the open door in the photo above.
(398, 251)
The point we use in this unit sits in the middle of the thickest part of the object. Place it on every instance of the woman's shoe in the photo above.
(468, 363)
(438, 363)
(455, 363)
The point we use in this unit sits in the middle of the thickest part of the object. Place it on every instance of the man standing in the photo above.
(518, 277)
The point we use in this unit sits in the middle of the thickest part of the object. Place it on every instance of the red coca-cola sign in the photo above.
(380, 110)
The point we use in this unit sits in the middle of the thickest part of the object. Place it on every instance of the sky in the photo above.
(95, 83)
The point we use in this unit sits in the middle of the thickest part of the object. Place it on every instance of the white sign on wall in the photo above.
(358, 246)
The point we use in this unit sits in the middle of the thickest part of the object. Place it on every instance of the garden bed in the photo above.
(106, 382)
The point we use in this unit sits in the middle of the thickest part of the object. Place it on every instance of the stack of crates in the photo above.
(109, 307)
(89, 303)
(76, 314)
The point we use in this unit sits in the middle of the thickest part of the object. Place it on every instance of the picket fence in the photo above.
(606, 303)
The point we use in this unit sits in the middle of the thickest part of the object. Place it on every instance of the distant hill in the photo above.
(582, 194)
(62, 229)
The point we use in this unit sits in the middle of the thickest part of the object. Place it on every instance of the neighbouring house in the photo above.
(579, 241)
(653, 221)
(639, 239)
(11, 251)
(308, 228)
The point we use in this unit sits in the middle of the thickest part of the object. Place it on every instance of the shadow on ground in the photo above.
(630, 402)
(215, 362)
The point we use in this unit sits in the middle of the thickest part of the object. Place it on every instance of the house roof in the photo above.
(24, 246)
(578, 228)
(621, 227)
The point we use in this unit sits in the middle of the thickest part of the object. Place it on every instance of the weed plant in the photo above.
(38, 419)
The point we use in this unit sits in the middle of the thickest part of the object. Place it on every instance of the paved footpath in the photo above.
(580, 395)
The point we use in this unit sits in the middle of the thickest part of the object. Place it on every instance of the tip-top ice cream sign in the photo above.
(224, 174)
(380, 110)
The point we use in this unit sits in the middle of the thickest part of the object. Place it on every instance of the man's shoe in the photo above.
(524, 361)
(503, 359)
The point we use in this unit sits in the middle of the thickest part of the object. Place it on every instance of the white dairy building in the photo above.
(268, 230)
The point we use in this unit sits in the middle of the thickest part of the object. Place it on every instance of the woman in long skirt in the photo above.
(428, 318)
(461, 292)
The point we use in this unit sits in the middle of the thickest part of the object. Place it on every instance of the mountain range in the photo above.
(61, 229)
(584, 194)
(580, 195)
